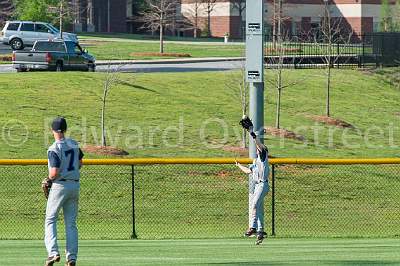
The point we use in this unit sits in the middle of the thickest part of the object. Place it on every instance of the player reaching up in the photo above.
(258, 173)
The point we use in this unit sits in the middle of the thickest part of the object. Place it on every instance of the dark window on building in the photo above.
(13, 26)
(28, 27)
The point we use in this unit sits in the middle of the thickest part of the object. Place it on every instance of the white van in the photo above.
(19, 34)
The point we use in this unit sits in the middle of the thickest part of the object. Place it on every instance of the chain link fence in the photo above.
(209, 201)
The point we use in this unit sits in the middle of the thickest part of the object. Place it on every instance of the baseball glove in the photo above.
(246, 123)
(46, 185)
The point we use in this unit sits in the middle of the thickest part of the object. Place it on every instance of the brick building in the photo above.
(362, 16)
(100, 15)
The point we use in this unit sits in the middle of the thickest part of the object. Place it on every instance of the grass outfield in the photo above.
(215, 252)
(311, 200)
(144, 106)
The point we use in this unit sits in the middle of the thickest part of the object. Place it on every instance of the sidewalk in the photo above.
(161, 61)
(168, 61)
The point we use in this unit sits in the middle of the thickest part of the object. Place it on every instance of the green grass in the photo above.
(145, 105)
(114, 50)
(143, 37)
(197, 201)
(215, 252)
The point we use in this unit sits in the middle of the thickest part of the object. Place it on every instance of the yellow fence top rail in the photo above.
(144, 161)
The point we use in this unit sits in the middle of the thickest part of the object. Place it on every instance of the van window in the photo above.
(13, 26)
(41, 28)
(27, 27)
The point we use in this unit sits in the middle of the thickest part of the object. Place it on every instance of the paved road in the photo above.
(150, 68)
(4, 49)
(147, 68)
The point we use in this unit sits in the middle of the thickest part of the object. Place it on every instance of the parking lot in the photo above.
(5, 49)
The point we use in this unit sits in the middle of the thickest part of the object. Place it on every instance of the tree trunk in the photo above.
(278, 101)
(274, 25)
(196, 25)
(103, 127)
(244, 139)
(161, 39)
(108, 16)
(280, 65)
(209, 23)
(61, 18)
(241, 33)
(328, 89)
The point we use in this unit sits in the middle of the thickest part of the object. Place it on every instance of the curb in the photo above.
(159, 62)
(168, 61)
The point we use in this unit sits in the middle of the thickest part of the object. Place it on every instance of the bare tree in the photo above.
(209, 6)
(238, 86)
(158, 16)
(334, 38)
(193, 13)
(277, 19)
(277, 62)
(112, 77)
(240, 6)
(6, 10)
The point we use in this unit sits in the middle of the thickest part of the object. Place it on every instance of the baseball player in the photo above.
(258, 186)
(64, 163)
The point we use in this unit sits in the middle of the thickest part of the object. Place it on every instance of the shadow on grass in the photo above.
(125, 83)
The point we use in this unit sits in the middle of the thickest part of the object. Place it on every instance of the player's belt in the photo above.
(72, 180)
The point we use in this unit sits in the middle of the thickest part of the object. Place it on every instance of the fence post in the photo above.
(273, 202)
(133, 236)
(338, 57)
(363, 51)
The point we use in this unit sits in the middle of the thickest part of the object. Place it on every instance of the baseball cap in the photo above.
(59, 124)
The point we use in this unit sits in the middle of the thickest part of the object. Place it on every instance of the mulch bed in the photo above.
(107, 150)
(331, 121)
(6, 58)
(281, 132)
(161, 54)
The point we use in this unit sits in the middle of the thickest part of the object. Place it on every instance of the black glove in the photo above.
(246, 124)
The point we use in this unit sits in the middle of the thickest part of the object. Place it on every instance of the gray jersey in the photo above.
(260, 170)
(65, 155)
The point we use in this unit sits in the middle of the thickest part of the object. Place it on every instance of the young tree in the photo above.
(240, 6)
(277, 64)
(193, 13)
(158, 16)
(209, 6)
(386, 16)
(333, 40)
(396, 16)
(236, 83)
(112, 77)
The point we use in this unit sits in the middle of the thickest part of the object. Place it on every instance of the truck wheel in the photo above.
(91, 68)
(17, 44)
(21, 70)
(59, 67)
